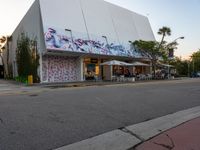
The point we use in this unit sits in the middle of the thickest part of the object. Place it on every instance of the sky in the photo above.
(182, 16)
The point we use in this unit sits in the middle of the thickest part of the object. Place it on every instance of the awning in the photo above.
(116, 63)
(165, 65)
(139, 64)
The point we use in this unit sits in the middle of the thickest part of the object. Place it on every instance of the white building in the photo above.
(75, 36)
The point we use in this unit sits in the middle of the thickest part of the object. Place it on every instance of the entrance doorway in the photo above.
(91, 69)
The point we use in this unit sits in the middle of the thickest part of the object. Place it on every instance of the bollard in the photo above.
(30, 80)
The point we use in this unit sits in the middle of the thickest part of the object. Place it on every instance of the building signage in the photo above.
(95, 61)
(171, 53)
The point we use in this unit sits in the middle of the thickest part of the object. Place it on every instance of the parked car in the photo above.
(198, 73)
(195, 74)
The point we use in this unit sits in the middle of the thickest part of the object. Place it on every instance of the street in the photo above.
(47, 118)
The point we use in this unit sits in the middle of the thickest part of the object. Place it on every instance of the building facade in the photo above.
(75, 36)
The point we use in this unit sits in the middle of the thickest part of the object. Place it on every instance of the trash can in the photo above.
(30, 80)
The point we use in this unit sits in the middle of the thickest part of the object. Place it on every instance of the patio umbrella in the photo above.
(139, 64)
(164, 65)
(116, 63)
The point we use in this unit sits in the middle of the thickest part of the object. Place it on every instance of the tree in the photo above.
(27, 57)
(4, 40)
(151, 49)
(182, 66)
(164, 31)
(9, 65)
(1, 58)
(195, 59)
(23, 56)
(155, 49)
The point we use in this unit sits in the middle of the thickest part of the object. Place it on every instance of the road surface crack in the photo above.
(169, 147)
(124, 129)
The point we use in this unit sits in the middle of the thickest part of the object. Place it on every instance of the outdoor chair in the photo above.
(114, 78)
(121, 78)
(96, 78)
(149, 77)
(142, 77)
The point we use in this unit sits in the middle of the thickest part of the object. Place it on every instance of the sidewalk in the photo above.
(78, 84)
(178, 131)
(183, 137)
(9, 87)
(12, 83)
(99, 83)
(6, 85)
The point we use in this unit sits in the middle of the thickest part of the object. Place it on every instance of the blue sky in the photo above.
(182, 16)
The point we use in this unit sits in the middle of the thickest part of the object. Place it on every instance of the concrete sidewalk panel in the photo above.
(114, 140)
(149, 129)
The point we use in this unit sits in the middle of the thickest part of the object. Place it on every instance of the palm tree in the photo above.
(2, 39)
(164, 31)
(8, 39)
(2, 42)
(5, 40)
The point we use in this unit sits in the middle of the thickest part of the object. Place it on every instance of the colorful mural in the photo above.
(60, 69)
(57, 39)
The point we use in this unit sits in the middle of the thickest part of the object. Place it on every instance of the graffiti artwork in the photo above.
(60, 41)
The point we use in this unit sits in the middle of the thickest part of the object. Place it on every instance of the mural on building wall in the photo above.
(57, 39)
(59, 69)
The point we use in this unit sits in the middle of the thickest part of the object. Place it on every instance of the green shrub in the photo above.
(27, 58)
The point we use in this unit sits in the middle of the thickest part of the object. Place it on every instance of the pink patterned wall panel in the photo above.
(60, 69)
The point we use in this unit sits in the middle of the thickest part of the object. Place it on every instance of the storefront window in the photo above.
(118, 70)
(92, 69)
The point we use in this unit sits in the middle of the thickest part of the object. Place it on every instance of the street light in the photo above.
(181, 37)
(106, 39)
(70, 31)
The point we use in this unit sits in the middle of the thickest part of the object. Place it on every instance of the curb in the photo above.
(98, 83)
(130, 136)
(114, 140)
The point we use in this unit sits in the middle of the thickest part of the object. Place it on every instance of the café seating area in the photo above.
(122, 78)
(133, 78)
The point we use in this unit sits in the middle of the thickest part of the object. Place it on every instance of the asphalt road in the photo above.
(58, 117)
